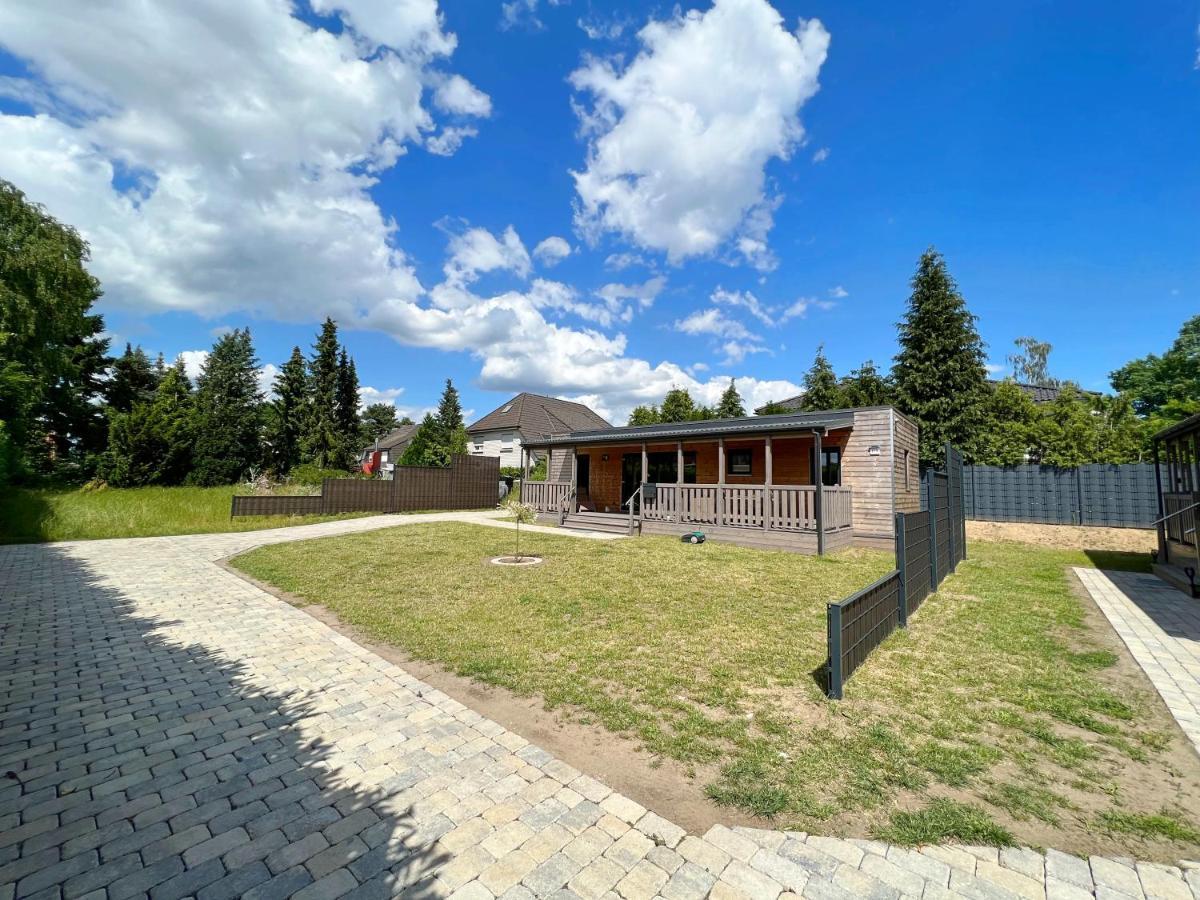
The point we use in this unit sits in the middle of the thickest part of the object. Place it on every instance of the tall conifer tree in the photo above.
(228, 412)
(346, 411)
(939, 373)
(730, 405)
(321, 442)
(286, 416)
(821, 389)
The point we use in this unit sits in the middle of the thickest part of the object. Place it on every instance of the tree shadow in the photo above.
(1119, 560)
(137, 763)
(23, 516)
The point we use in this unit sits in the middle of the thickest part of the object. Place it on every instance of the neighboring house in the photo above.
(391, 447)
(526, 417)
(805, 481)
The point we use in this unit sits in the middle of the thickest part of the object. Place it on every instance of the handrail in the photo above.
(1177, 512)
(629, 503)
(564, 506)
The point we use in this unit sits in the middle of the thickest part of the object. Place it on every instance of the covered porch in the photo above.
(779, 489)
(1177, 467)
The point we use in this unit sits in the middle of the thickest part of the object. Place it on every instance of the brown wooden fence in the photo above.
(929, 546)
(471, 482)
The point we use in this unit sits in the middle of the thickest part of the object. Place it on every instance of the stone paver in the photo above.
(1161, 627)
(174, 731)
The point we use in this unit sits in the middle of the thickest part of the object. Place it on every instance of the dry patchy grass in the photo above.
(1004, 711)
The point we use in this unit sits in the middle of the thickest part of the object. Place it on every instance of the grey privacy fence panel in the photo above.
(471, 482)
(1123, 496)
(929, 546)
(859, 624)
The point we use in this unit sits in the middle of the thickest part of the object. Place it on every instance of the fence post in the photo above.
(902, 568)
(1079, 493)
(929, 489)
(834, 618)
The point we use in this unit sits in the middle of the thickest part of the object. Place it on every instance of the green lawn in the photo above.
(999, 714)
(64, 515)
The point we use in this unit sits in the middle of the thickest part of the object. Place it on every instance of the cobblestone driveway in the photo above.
(168, 730)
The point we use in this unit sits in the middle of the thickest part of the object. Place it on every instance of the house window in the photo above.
(506, 441)
(738, 462)
(831, 466)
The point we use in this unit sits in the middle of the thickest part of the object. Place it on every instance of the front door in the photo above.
(631, 475)
(583, 480)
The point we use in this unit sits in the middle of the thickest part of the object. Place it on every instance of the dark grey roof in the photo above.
(393, 440)
(1039, 393)
(826, 419)
(1183, 426)
(789, 403)
(534, 416)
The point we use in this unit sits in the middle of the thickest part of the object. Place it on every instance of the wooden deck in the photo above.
(769, 517)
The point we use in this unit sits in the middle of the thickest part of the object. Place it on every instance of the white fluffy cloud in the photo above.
(220, 156)
(679, 138)
(552, 251)
(193, 365)
(524, 342)
(712, 321)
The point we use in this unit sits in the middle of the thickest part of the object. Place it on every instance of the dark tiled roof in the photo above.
(394, 440)
(827, 419)
(789, 403)
(536, 416)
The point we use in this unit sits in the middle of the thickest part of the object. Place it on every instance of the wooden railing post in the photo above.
(767, 471)
(819, 494)
(721, 481)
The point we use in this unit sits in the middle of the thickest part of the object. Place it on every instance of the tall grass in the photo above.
(63, 515)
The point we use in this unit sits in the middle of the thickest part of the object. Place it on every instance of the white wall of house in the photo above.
(504, 443)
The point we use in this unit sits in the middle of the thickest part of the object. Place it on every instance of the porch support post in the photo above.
(819, 493)
(767, 488)
(679, 481)
(645, 464)
(721, 481)
(574, 477)
(525, 454)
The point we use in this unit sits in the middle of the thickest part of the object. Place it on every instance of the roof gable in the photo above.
(537, 416)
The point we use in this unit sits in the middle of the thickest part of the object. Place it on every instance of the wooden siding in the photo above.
(908, 492)
(870, 476)
(559, 468)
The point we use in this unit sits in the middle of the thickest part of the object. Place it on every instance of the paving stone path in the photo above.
(1161, 627)
(168, 730)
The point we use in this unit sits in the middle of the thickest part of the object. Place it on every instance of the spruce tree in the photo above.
(730, 405)
(228, 412)
(287, 414)
(866, 387)
(939, 373)
(449, 415)
(424, 449)
(821, 389)
(321, 438)
(152, 442)
(774, 408)
(346, 412)
(132, 379)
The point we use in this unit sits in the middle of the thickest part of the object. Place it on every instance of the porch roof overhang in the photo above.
(1189, 425)
(706, 428)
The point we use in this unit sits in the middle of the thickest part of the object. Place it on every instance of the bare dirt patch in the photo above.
(1064, 537)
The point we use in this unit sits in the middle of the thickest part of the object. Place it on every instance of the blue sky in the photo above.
(736, 182)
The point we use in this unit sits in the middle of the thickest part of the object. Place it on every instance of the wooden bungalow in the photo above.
(803, 481)
(1177, 470)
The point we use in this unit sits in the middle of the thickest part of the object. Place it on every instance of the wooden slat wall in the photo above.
(870, 477)
(908, 492)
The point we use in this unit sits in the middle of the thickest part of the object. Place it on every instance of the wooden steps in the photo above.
(1175, 576)
(611, 523)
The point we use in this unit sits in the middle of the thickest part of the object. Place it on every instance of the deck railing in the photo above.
(545, 496)
(775, 508)
(1182, 527)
